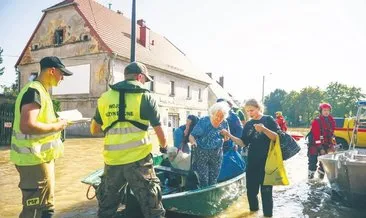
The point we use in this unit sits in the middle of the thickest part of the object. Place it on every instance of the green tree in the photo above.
(308, 100)
(1, 61)
(273, 102)
(291, 109)
(343, 98)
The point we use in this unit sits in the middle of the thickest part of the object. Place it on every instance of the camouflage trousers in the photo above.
(142, 180)
(37, 184)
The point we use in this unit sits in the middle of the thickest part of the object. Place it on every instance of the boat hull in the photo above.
(201, 202)
(208, 201)
(347, 176)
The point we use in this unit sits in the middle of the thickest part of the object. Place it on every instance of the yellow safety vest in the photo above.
(33, 149)
(123, 143)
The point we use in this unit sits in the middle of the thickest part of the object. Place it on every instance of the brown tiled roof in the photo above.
(114, 30)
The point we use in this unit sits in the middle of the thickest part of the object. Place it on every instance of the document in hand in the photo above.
(72, 116)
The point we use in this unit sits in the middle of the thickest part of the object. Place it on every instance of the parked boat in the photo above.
(346, 170)
(206, 201)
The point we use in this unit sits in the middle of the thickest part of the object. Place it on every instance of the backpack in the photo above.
(310, 136)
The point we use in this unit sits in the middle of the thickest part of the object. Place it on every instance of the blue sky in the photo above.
(294, 43)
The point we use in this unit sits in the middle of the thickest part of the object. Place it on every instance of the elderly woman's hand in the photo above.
(259, 127)
(225, 133)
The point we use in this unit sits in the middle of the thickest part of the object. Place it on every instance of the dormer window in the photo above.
(35, 46)
(59, 36)
(84, 37)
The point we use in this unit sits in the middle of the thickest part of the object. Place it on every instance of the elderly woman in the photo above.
(208, 141)
(257, 135)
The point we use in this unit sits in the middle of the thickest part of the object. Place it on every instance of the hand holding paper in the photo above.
(72, 116)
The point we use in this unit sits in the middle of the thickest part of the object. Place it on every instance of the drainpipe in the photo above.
(110, 69)
(18, 79)
(133, 32)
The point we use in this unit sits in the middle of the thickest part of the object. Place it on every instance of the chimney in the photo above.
(209, 74)
(144, 33)
(119, 12)
(110, 6)
(221, 81)
(141, 22)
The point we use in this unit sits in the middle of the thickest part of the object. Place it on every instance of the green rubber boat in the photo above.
(206, 201)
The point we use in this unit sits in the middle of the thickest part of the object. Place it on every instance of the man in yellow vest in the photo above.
(123, 115)
(35, 142)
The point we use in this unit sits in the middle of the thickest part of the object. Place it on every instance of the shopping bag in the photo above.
(289, 146)
(275, 172)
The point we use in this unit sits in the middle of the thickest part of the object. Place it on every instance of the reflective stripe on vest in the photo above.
(116, 131)
(128, 145)
(21, 136)
(37, 149)
(33, 149)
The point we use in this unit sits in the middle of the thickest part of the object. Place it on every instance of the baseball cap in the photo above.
(136, 68)
(53, 61)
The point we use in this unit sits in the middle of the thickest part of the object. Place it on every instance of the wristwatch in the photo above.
(163, 150)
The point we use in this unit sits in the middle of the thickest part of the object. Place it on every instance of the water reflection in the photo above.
(82, 156)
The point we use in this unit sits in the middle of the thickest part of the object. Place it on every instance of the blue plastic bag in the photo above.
(232, 165)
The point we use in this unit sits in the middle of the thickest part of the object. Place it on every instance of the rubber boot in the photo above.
(311, 174)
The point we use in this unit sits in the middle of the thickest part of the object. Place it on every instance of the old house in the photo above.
(93, 41)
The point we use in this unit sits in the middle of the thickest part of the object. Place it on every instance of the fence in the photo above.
(6, 123)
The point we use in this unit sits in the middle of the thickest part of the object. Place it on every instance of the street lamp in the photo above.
(263, 80)
(133, 32)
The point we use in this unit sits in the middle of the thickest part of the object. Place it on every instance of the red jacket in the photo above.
(327, 136)
(282, 123)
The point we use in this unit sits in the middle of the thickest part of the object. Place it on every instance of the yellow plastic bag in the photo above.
(275, 172)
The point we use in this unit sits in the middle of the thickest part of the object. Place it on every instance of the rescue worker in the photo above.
(323, 142)
(123, 114)
(36, 140)
(281, 121)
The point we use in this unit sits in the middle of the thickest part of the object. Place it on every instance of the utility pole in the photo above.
(263, 89)
(263, 81)
(133, 32)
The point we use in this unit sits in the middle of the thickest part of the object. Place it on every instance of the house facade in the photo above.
(93, 41)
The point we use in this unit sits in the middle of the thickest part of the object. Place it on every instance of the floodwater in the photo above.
(82, 156)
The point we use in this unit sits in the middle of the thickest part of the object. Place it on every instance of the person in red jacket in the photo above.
(281, 121)
(322, 129)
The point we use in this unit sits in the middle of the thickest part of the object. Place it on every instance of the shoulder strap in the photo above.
(122, 110)
(320, 126)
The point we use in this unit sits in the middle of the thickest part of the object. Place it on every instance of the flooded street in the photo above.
(82, 156)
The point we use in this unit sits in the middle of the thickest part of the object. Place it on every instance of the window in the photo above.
(152, 84)
(35, 46)
(72, 84)
(172, 88)
(59, 37)
(199, 95)
(33, 76)
(188, 92)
